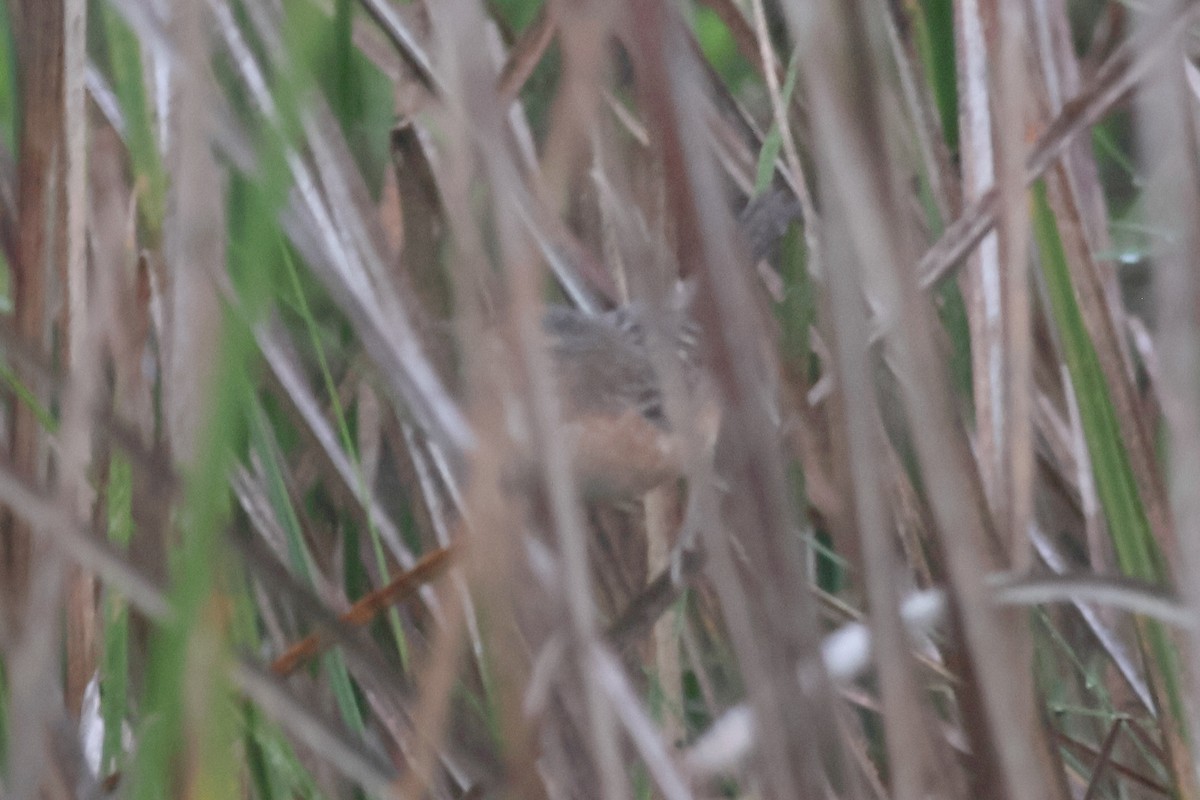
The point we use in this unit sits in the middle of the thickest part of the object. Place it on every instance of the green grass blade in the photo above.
(773, 143)
(1137, 553)
(935, 40)
(123, 51)
(114, 667)
(1115, 483)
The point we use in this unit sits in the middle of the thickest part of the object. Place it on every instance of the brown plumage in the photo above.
(611, 398)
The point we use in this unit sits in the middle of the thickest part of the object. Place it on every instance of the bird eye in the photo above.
(650, 404)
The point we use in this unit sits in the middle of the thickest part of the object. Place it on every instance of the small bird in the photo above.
(610, 388)
(609, 381)
(621, 443)
(611, 396)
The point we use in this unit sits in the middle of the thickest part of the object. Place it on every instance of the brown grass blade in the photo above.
(40, 27)
(405, 40)
(82, 334)
(981, 280)
(1103, 760)
(1082, 750)
(527, 52)
(795, 756)
(430, 567)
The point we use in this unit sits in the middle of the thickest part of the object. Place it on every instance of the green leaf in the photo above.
(773, 142)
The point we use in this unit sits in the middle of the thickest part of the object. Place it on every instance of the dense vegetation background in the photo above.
(272, 368)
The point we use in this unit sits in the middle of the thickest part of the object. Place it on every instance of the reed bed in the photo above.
(599, 399)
